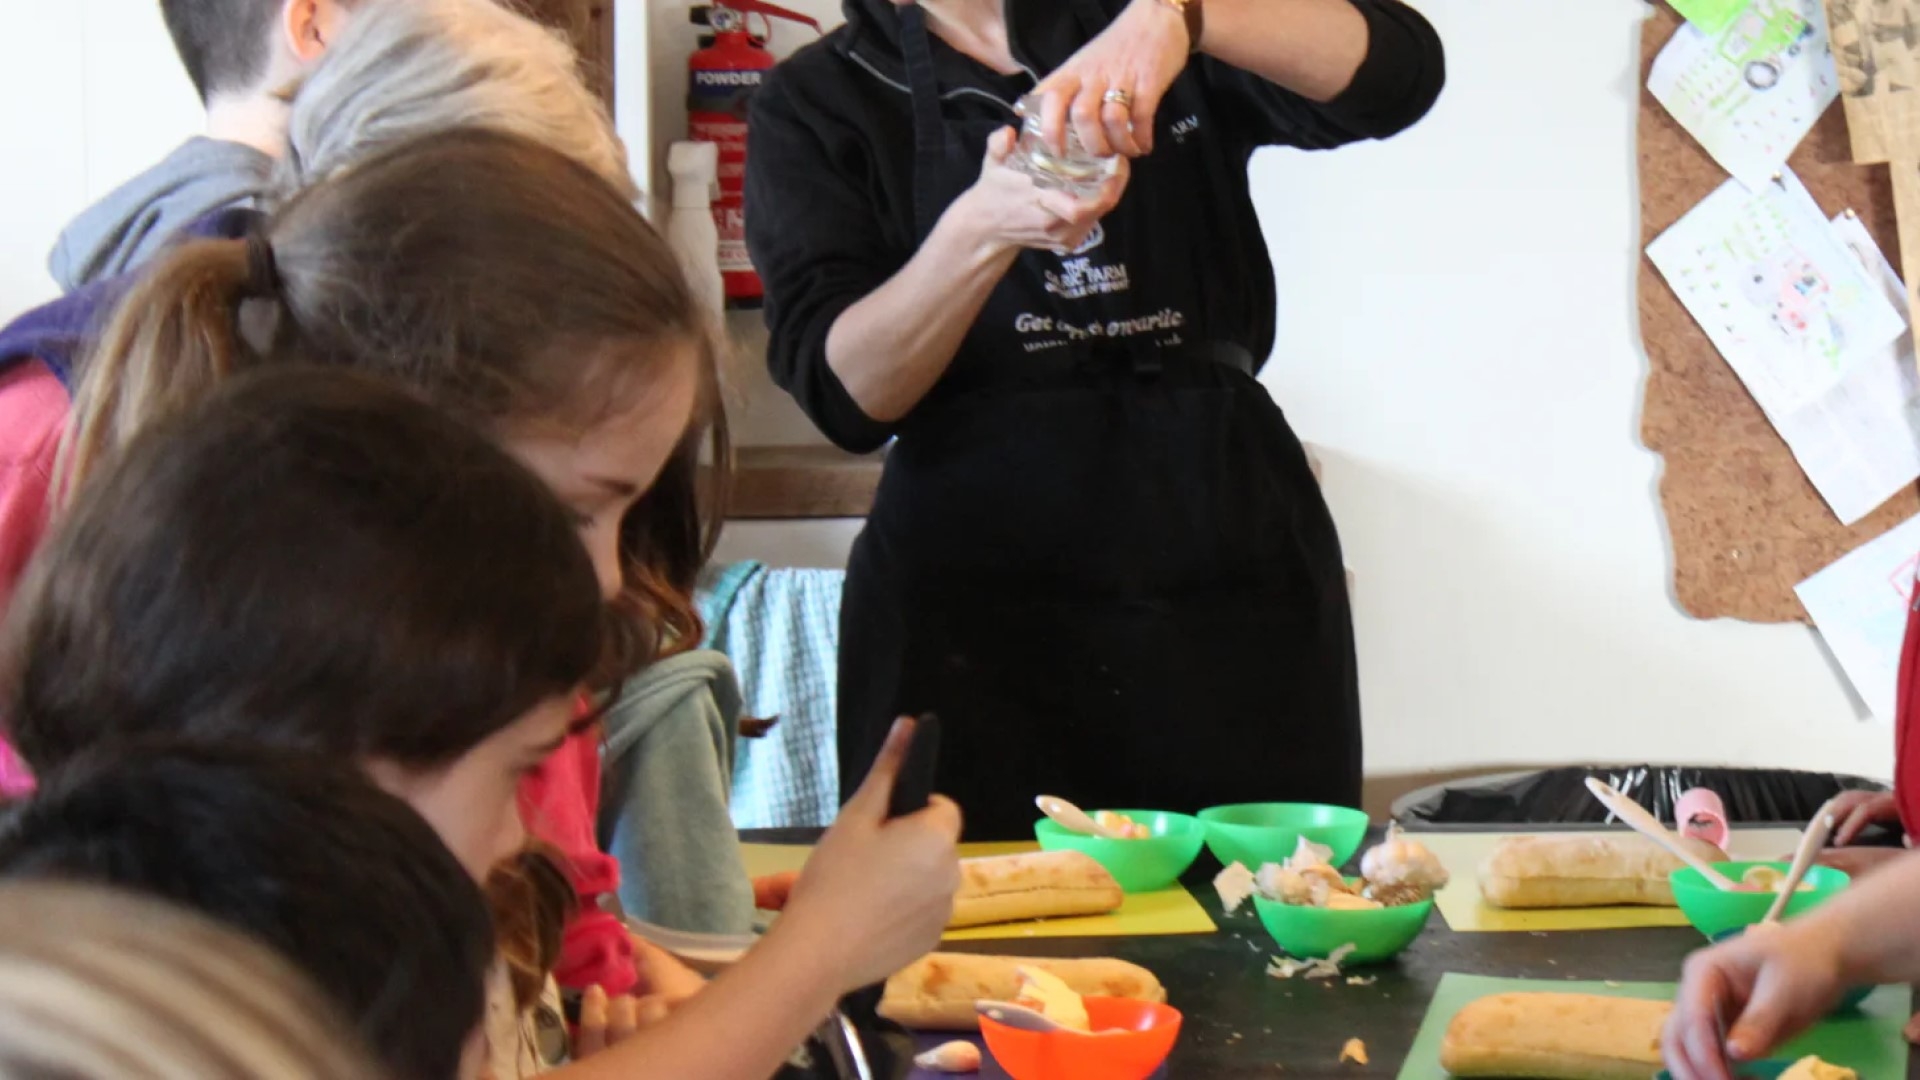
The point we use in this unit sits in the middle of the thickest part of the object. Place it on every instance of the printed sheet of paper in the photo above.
(1782, 299)
(1860, 441)
(1710, 15)
(1860, 606)
(1752, 91)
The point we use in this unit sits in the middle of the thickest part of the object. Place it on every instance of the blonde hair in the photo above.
(96, 984)
(406, 68)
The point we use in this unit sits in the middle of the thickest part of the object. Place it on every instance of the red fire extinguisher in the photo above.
(722, 79)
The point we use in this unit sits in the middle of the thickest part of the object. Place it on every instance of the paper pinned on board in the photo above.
(1750, 92)
(1860, 441)
(1711, 16)
(1859, 604)
(1782, 299)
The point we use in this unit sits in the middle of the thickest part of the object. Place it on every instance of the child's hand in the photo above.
(607, 1022)
(877, 893)
(662, 974)
(1739, 1000)
(604, 1022)
(771, 891)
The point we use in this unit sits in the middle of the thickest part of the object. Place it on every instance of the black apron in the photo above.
(1112, 576)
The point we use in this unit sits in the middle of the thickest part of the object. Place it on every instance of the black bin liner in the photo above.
(1546, 797)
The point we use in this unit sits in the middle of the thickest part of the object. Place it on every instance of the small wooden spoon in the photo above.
(1074, 819)
(1635, 815)
(1811, 843)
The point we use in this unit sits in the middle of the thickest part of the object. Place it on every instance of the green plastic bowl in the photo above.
(1312, 933)
(1254, 834)
(1713, 912)
(1149, 864)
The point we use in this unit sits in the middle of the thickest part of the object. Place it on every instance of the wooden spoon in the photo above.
(1635, 815)
(1074, 819)
(1811, 843)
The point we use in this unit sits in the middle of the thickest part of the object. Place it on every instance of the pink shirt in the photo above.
(33, 413)
(560, 802)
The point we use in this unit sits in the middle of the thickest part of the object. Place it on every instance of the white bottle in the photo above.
(694, 167)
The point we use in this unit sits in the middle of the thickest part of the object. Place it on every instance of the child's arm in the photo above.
(874, 897)
(1769, 985)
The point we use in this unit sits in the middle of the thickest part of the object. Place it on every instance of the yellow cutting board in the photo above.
(1169, 911)
(1461, 905)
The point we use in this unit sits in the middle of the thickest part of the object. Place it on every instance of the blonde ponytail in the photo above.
(172, 339)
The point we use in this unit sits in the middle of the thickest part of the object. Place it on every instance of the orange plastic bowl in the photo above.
(1130, 1039)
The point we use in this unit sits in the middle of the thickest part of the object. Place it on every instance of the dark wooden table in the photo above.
(1241, 1022)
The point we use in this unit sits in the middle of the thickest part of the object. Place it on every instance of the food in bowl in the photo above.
(1050, 996)
(1120, 826)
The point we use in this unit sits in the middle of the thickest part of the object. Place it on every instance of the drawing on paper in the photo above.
(1781, 297)
(1792, 293)
(1751, 93)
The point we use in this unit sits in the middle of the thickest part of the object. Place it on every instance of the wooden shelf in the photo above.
(774, 483)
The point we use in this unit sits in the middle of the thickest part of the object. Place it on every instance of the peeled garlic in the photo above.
(954, 1057)
(1400, 861)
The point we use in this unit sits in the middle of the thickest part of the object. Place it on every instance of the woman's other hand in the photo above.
(1111, 89)
(1007, 210)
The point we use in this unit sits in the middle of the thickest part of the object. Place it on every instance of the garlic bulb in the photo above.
(1400, 861)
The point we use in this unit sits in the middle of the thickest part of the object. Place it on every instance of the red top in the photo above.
(1906, 724)
(33, 413)
(560, 802)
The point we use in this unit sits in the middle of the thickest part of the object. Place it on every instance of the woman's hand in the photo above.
(1111, 89)
(1856, 811)
(1745, 997)
(1007, 210)
(877, 891)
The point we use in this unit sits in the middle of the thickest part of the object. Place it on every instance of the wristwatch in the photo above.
(1196, 20)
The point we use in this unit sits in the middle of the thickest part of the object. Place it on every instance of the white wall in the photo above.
(1477, 394)
(90, 94)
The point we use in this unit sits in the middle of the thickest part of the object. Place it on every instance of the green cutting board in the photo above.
(1868, 1042)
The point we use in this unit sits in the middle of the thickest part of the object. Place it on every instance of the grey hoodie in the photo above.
(133, 222)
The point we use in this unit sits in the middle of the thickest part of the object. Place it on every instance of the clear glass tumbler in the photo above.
(1077, 172)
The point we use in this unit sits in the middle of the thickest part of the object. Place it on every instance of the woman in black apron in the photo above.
(1097, 550)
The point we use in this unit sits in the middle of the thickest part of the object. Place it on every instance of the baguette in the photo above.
(937, 992)
(1583, 871)
(1556, 1037)
(1041, 885)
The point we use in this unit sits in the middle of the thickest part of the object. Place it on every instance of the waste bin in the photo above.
(1543, 798)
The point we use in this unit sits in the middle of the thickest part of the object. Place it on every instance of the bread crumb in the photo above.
(1362, 980)
(1354, 1052)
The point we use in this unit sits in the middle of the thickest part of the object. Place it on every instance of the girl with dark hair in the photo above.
(313, 559)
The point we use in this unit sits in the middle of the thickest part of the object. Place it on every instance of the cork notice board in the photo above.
(1745, 524)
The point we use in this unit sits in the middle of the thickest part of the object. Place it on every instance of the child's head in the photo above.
(506, 282)
(406, 70)
(301, 853)
(245, 48)
(315, 560)
(104, 985)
